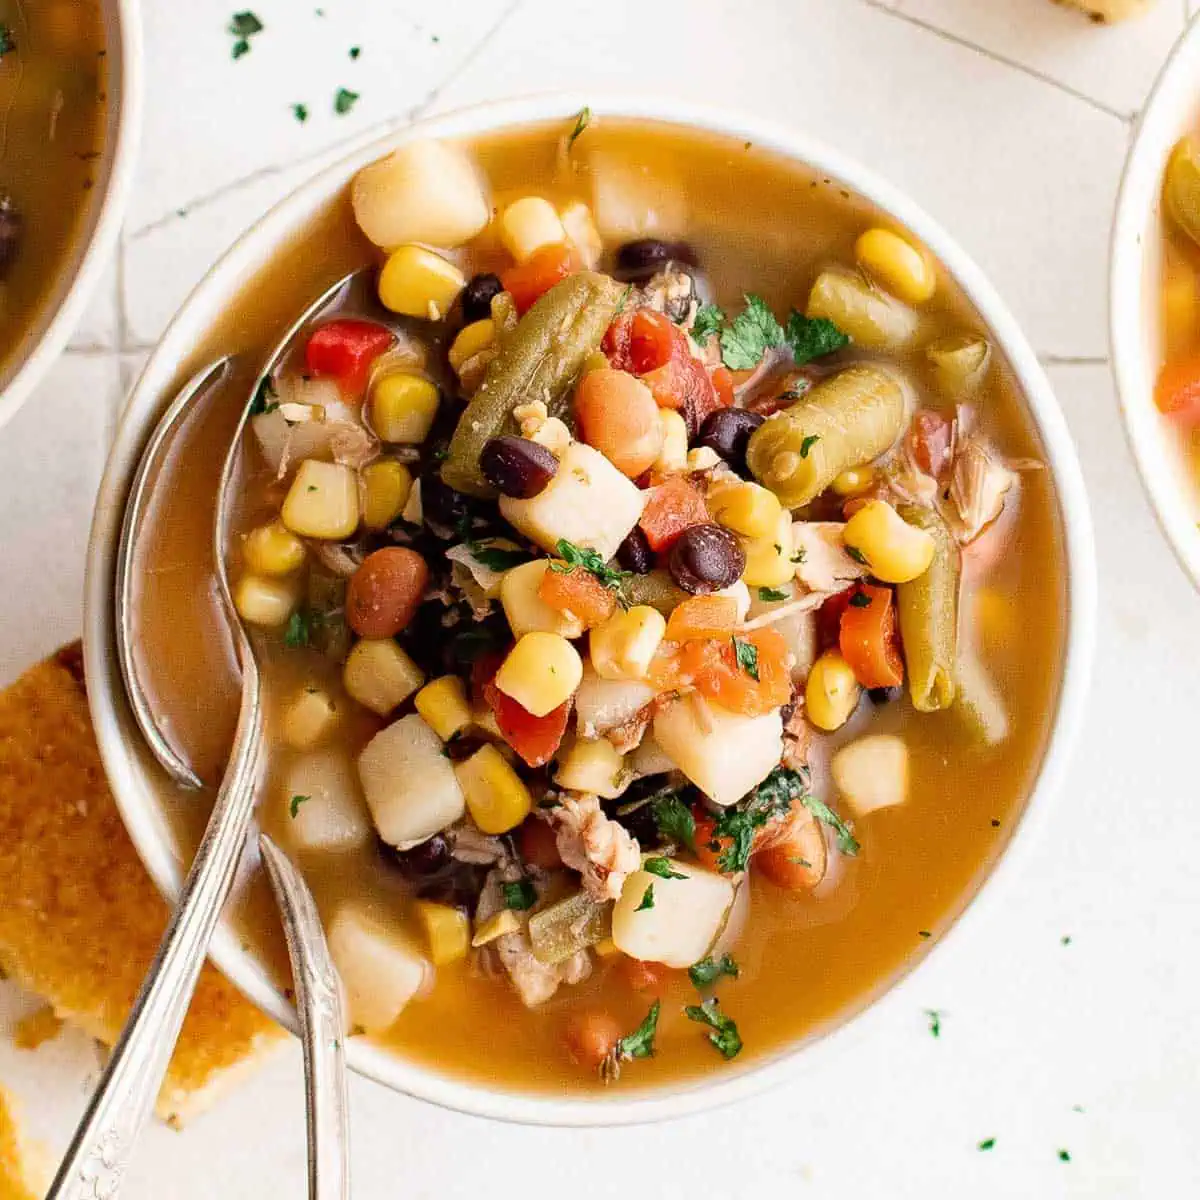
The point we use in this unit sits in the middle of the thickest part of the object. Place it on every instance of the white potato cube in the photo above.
(649, 759)
(380, 970)
(323, 804)
(409, 783)
(582, 233)
(309, 718)
(424, 191)
(526, 611)
(603, 704)
(322, 501)
(588, 502)
(724, 754)
(528, 224)
(872, 772)
(380, 675)
(637, 199)
(685, 919)
(593, 766)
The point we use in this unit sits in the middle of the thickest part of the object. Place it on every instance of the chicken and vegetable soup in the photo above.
(658, 597)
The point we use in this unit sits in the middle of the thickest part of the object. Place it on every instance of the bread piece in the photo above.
(1104, 11)
(15, 1183)
(80, 919)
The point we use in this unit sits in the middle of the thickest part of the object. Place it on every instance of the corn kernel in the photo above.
(265, 602)
(854, 482)
(322, 501)
(309, 717)
(525, 611)
(892, 549)
(582, 233)
(703, 458)
(541, 672)
(593, 766)
(746, 508)
(273, 549)
(418, 283)
(496, 926)
(528, 224)
(623, 647)
(831, 693)
(386, 487)
(674, 452)
(496, 797)
(447, 930)
(904, 270)
(470, 341)
(379, 675)
(443, 704)
(403, 407)
(769, 559)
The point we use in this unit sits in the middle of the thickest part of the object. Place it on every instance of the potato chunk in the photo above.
(323, 803)
(683, 921)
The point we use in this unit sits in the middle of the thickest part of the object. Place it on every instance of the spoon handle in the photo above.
(95, 1163)
(322, 1028)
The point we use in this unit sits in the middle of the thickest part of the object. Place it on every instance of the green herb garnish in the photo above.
(355, 51)
(294, 806)
(858, 556)
(846, 841)
(1064, 1156)
(477, 641)
(576, 556)
(298, 631)
(638, 1044)
(344, 101)
(243, 26)
(935, 1021)
(674, 819)
(300, 112)
(860, 600)
(724, 1033)
(708, 320)
(520, 895)
(708, 970)
(771, 595)
(750, 335)
(661, 867)
(986, 1144)
(808, 443)
(264, 397)
(772, 799)
(582, 121)
(746, 654)
(813, 337)
(496, 558)
(647, 899)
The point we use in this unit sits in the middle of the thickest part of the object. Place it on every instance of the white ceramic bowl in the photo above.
(117, 736)
(94, 245)
(1172, 109)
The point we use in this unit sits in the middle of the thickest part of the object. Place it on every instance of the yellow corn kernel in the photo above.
(892, 549)
(385, 491)
(525, 611)
(447, 930)
(854, 482)
(273, 549)
(379, 675)
(1180, 305)
(606, 948)
(769, 559)
(470, 341)
(266, 602)
(496, 926)
(702, 458)
(831, 693)
(308, 718)
(541, 672)
(403, 407)
(322, 501)
(746, 508)
(674, 452)
(623, 647)
(897, 264)
(443, 704)
(418, 283)
(497, 799)
(528, 224)
(592, 766)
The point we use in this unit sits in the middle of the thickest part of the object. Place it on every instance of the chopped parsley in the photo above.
(708, 320)
(924, 933)
(582, 121)
(298, 631)
(813, 338)
(264, 397)
(800, 555)
(1064, 1156)
(496, 558)
(858, 556)
(771, 595)
(1065, 939)
(846, 841)
(746, 654)
(647, 899)
(724, 1035)
(674, 819)
(808, 443)
(520, 895)
(860, 600)
(638, 1044)
(750, 335)
(662, 868)
(576, 556)
(733, 830)
(986, 1144)
(935, 1021)
(355, 51)
(243, 26)
(8, 43)
(300, 112)
(344, 101)
(294, 806)
(477, 641)
(708, 970)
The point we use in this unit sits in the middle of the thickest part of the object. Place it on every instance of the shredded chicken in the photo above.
(600, 849)
(906, 481)
(627, 736)
(824, 565)
(797, 737)
(341, 560)
(768, 382)
(673, 293)
(470, 844)
(352, 445)
(979, 483)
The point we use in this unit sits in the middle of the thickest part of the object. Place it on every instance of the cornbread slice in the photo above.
(80, 919)
(14, 1180)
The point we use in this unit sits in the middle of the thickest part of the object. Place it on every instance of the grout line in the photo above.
(1125, 118)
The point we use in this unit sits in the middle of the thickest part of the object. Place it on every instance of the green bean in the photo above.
(928, 610)
(960, 362)
(872, 320)
(539, 360)
(568, 926)
(657, 589)
(845, 421)
(1182, 187)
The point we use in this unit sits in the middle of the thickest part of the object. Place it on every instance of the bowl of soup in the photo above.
(672, 582)
(70, 89)
(1154, 302)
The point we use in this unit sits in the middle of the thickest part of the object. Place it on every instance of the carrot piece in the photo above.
(1177, 392)
(702, 617)
(671, 508)
(578, 592)
(868, 639)
(732, 684)
(528, 281)
(535, 739)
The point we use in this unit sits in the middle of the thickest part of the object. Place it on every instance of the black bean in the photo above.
(423, 861)
(640, 260)
(706, 558)
(727, 431)
(477, 296)
(517, 467)
(885, 695)
(634, 553)
(443, 510)
(458, 886)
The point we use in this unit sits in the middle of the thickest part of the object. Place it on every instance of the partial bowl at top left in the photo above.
(70, 88)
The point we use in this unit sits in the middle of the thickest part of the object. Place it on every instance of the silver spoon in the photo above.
(96, 1160)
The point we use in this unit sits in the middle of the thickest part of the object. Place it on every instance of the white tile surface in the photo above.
(1008, 119)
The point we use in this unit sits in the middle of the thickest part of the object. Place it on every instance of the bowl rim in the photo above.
(124, 87)
(1173, 99)
(123, 764)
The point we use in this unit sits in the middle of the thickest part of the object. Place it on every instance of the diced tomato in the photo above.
(578, 592)
(1177, 392)
(701, 617)
(829, 619)
(705, 839)
(676, 666)
(722, 381)
(639, 341)
(345, 349)
(931, 435)
(731, 685)
(868, 640)
(535, 739)
(671, 507)
(528, 281)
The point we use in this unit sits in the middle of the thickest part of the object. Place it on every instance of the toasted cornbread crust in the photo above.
(80, 919)
(12, 1170)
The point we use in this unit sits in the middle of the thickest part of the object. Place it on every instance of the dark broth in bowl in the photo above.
(840, 827)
